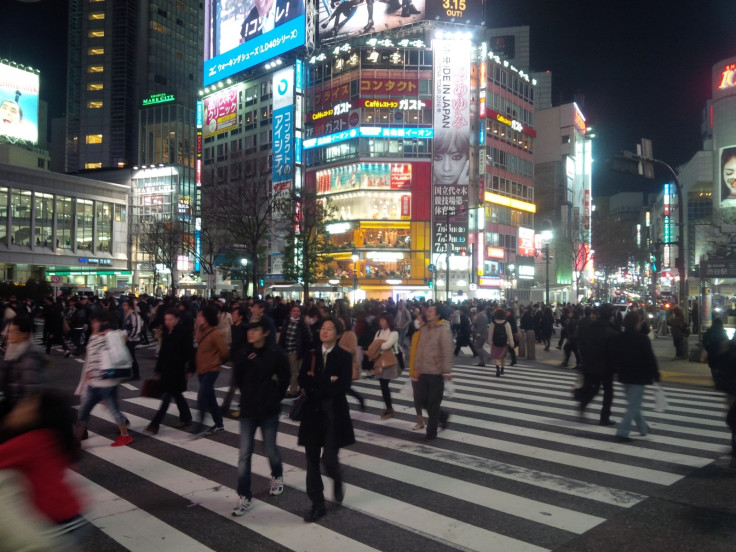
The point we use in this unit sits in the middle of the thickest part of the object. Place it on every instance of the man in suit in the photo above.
(325, 378)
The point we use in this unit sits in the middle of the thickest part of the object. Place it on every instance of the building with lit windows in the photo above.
(563, 182)
(134, 69)
(134, 72)
(68, 230)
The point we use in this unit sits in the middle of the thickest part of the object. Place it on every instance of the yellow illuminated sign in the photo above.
(509, 202)
(384, 224)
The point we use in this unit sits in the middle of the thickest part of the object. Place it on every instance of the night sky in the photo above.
(643, 67)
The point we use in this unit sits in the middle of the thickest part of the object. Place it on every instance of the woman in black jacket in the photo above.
(636, 366)
(325, 377)
(171, 370)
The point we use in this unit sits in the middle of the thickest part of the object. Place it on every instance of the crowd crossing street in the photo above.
(516, 470)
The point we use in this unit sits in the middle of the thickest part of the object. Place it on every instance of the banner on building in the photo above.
(221, 110)
(283, 126)
(451, 145)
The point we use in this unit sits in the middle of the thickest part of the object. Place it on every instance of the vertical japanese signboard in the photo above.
(451, 145)
(283, 129)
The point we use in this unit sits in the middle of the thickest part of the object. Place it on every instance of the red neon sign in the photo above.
(728, 77)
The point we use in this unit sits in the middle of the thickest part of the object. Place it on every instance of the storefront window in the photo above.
(104, 227)
(3, 215)
(64, 222)
(85, 217)
(120, 213)
(44, 218)
(21, 230)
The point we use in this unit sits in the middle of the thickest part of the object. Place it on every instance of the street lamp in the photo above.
(244, 264)
(546, 240)
(355, 256)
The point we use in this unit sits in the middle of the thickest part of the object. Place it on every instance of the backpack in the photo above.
(499, 339)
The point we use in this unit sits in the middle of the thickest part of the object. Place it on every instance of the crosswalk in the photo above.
(517, 470)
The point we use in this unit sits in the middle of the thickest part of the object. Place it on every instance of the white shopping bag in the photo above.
(660, 399)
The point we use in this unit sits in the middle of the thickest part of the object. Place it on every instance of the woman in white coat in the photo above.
(390, 338)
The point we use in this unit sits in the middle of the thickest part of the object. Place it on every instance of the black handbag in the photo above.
(297, 409)
(152, 389)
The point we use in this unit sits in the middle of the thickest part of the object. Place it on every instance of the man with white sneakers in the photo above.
(262, 374)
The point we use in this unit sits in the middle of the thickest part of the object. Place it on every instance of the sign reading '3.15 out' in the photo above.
(459, 11)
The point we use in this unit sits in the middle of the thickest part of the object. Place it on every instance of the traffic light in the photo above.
(261, 282)
(431, 284)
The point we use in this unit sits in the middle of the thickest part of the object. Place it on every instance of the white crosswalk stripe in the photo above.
(515, 471)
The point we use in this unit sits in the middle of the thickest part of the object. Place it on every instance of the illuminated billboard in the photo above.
(283, 126)
(456, 11)
(728, 176)
(18, 104)
(344, 18)
(451, 145)
(221, 110)
(240, 34)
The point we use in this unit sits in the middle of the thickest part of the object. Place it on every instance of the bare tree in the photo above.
(238, 205)
(308, 244)
(161, 241)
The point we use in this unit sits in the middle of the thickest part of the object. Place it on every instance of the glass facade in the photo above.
(46, 221)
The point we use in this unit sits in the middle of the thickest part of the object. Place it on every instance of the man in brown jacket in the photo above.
(212, 351)
(434, 364)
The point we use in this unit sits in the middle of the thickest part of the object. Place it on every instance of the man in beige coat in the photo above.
(433, 365)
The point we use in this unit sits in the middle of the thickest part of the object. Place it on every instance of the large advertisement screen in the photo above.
(343, 18)
(728, 176)
(18, 104)
(469, 12)
(451, 145)
(221, 111)
(242, 33)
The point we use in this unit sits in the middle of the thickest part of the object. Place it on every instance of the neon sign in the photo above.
(728, 77)
(579, 119)
(158, 99)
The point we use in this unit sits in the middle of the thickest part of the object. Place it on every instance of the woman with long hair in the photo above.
(349, 342)
(390, 337)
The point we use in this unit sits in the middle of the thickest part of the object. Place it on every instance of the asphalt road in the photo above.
(517, 470)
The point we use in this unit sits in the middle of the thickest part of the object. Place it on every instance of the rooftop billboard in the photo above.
(18, 104)
(240, 34)
(469, 12)
(343, 18)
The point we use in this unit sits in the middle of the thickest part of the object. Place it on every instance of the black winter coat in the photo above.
(175, 353)
(632, 358)
(594, 347)
(262, 375)
(327, 407)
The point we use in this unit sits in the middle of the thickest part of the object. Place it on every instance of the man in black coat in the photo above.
(262, 374)
(171, 370)
(594, 343)
(325, 378)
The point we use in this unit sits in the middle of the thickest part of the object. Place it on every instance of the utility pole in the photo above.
(642, 163)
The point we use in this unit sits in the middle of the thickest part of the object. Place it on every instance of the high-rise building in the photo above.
(134, 70)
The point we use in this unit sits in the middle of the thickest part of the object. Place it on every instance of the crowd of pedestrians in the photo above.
(283, 352)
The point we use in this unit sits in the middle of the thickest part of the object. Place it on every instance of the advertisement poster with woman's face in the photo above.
(728, 176)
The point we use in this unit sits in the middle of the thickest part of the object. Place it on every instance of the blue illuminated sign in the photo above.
(482, 135)
(368, 132)
(200, 111)
(259, 49)
(299, 76)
